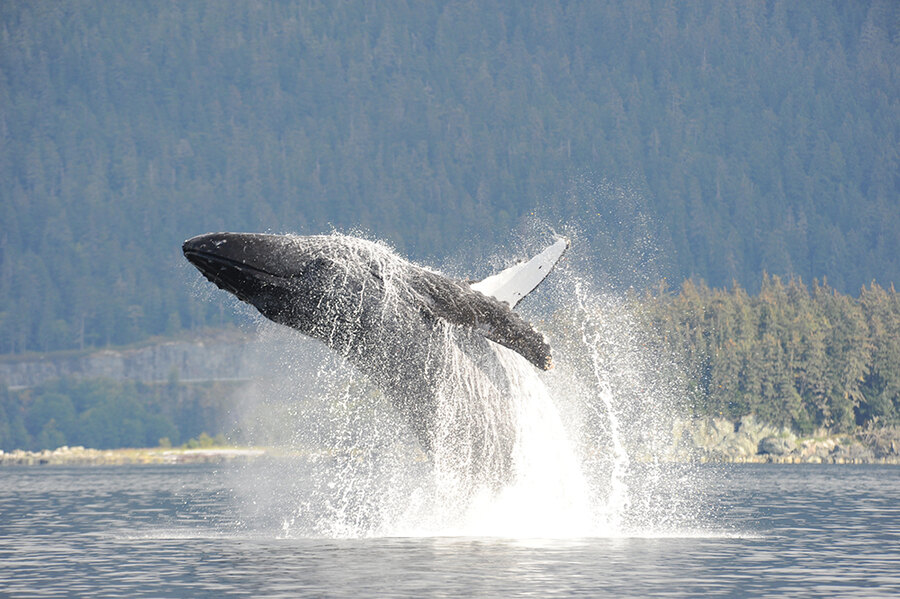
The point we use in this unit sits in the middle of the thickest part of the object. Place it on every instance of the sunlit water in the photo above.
(185, 531)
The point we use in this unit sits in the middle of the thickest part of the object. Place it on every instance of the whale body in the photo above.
(392, 320)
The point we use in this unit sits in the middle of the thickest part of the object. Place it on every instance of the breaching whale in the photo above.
(390, 319)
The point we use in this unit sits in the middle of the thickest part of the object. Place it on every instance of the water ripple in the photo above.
(802, 531)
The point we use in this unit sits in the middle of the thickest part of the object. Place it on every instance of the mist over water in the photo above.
(591, 451)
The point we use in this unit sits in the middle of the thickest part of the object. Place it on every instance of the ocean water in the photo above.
(186, 531)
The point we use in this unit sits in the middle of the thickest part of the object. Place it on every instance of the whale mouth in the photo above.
(204, 260)
(233, 276)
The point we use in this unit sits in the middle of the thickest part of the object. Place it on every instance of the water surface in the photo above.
(183, 531)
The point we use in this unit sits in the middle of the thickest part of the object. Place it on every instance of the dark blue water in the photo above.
(802, 531)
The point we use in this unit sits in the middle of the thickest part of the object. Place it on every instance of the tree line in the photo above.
(109, 414)
(808, 358)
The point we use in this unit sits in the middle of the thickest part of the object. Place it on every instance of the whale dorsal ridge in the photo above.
(517, 281)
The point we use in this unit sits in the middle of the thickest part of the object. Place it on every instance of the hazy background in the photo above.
(746, 137)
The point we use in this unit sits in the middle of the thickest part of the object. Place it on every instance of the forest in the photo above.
(804, 358)
(108, 414)
(749, 137)
(745, 147)
(809, 359)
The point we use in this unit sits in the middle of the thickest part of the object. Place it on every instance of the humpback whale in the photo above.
(391, 319)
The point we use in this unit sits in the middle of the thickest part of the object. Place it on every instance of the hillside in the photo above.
(741, 137)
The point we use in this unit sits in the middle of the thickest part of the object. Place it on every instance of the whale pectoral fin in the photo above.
(517, 281)
(455, 303)
(513, 332)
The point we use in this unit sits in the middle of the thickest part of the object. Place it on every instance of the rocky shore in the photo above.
(749, 441)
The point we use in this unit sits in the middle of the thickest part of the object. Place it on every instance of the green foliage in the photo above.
(204, 441)
(789, 356)
(761, 135)
(107, 414)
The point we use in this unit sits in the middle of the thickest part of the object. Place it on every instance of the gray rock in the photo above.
(722, 427)
(853, 452)
(776, 446)
(737, 445)
(750, 427)
(884, 443)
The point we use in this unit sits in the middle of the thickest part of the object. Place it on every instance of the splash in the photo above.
(547, 496)
(587, 441)
(617, 501)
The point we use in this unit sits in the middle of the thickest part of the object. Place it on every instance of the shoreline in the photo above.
(80, 456)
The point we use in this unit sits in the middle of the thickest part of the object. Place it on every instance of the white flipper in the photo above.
(517, 281)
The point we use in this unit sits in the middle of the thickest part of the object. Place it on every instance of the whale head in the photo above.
(285, 277)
